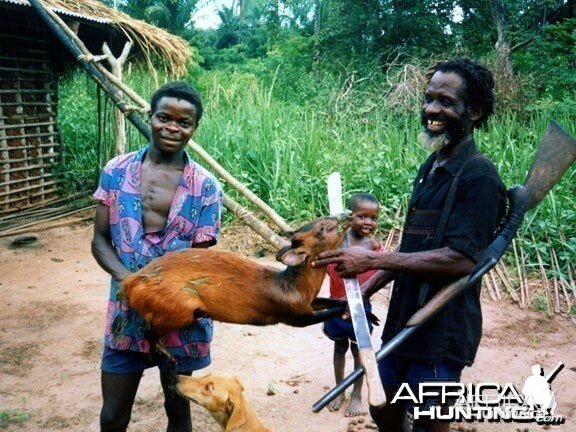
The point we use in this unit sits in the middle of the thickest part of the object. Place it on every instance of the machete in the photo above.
(376, 395)
(556, 153)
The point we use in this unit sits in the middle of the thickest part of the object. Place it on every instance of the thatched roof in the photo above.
(175, 51)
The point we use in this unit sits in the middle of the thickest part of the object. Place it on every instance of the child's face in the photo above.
(365, 218)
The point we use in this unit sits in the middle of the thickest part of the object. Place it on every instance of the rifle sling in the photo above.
(442, 223)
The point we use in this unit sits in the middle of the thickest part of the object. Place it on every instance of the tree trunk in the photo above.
(317, 30)
(241, 14)
(502, 44)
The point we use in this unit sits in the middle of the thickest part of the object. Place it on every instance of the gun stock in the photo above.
(556, 153)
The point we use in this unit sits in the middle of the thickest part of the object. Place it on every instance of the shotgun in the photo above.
(556, 153)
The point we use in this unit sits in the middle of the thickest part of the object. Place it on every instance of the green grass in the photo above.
(540, 304)
(12, 417)
(284, 150)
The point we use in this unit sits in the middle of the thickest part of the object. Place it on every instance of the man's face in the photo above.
(173, 124)
(444, 114)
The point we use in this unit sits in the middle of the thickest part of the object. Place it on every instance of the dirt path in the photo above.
(52, 317)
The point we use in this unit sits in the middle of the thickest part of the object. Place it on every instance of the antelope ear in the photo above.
(282, 252)
(291, 257)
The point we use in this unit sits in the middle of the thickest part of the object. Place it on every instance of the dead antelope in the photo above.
(179, 287)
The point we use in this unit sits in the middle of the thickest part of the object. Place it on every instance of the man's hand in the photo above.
(350, 261)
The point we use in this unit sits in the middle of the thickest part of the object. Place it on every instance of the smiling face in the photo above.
(445, 116)
(365, 218)
(173, 124)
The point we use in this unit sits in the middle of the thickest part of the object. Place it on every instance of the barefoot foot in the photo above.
(336, 403)
(354, 407)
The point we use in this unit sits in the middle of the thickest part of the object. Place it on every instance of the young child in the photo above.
(365, 209)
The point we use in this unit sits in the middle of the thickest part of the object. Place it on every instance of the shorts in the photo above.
(395, 370)
(337, 328)
(125, 362)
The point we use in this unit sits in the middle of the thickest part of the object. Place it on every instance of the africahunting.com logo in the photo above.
(491, 402)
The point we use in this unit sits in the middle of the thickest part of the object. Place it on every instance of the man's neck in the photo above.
(157, 157)
(451, 150)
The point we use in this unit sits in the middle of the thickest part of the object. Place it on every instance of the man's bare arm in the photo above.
(376, 282)
(102, 248)
(444, 263)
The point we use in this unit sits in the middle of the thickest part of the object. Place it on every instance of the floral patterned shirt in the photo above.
(194, 217)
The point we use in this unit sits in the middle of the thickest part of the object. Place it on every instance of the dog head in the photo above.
(220, 395)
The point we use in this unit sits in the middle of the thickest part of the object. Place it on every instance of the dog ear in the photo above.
(237, 417)
(229, 406)
(239, 383)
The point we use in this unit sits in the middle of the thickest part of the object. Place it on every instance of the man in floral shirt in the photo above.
(150, 202)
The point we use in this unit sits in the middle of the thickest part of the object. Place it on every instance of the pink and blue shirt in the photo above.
(194, 217)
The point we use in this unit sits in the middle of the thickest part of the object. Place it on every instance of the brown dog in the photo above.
(222, 396)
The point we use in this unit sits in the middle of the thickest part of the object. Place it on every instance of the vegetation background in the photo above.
(296, 89)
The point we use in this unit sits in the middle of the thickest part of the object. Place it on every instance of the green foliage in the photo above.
(172, 15)
(550, 60)
(541, 304)
(288, 101)
(86, 122)
(12, 417)
(78, 122)
(281, 132)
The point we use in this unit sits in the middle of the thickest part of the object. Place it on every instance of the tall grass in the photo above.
(283, 151)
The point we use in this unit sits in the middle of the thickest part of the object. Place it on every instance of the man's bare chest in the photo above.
(158, 189)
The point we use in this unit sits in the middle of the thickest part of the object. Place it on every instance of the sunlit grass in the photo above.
(283, 151)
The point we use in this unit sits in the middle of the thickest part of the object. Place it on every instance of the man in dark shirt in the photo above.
(438, 246)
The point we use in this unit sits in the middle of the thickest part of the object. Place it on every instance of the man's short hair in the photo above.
(179, 90)
(356, 199)
(479, 84)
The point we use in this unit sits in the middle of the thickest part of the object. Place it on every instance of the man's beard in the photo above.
(432, 142)
(454, 131)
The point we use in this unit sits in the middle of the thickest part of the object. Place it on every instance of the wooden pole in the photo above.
(69, 39)
(116, 65)
(47, 227)
(219, 169)
(258, 226)
(98, 76)
(274, 217)
(26, 227)
(90, 57)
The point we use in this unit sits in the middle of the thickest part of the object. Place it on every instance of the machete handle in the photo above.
(376, 395)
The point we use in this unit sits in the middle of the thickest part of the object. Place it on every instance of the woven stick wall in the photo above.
(29, 139)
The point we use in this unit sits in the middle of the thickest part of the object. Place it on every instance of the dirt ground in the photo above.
(51, 324)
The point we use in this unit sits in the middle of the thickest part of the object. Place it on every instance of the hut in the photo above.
(30, 60)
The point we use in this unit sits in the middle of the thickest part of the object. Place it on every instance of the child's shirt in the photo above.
(337, 289)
